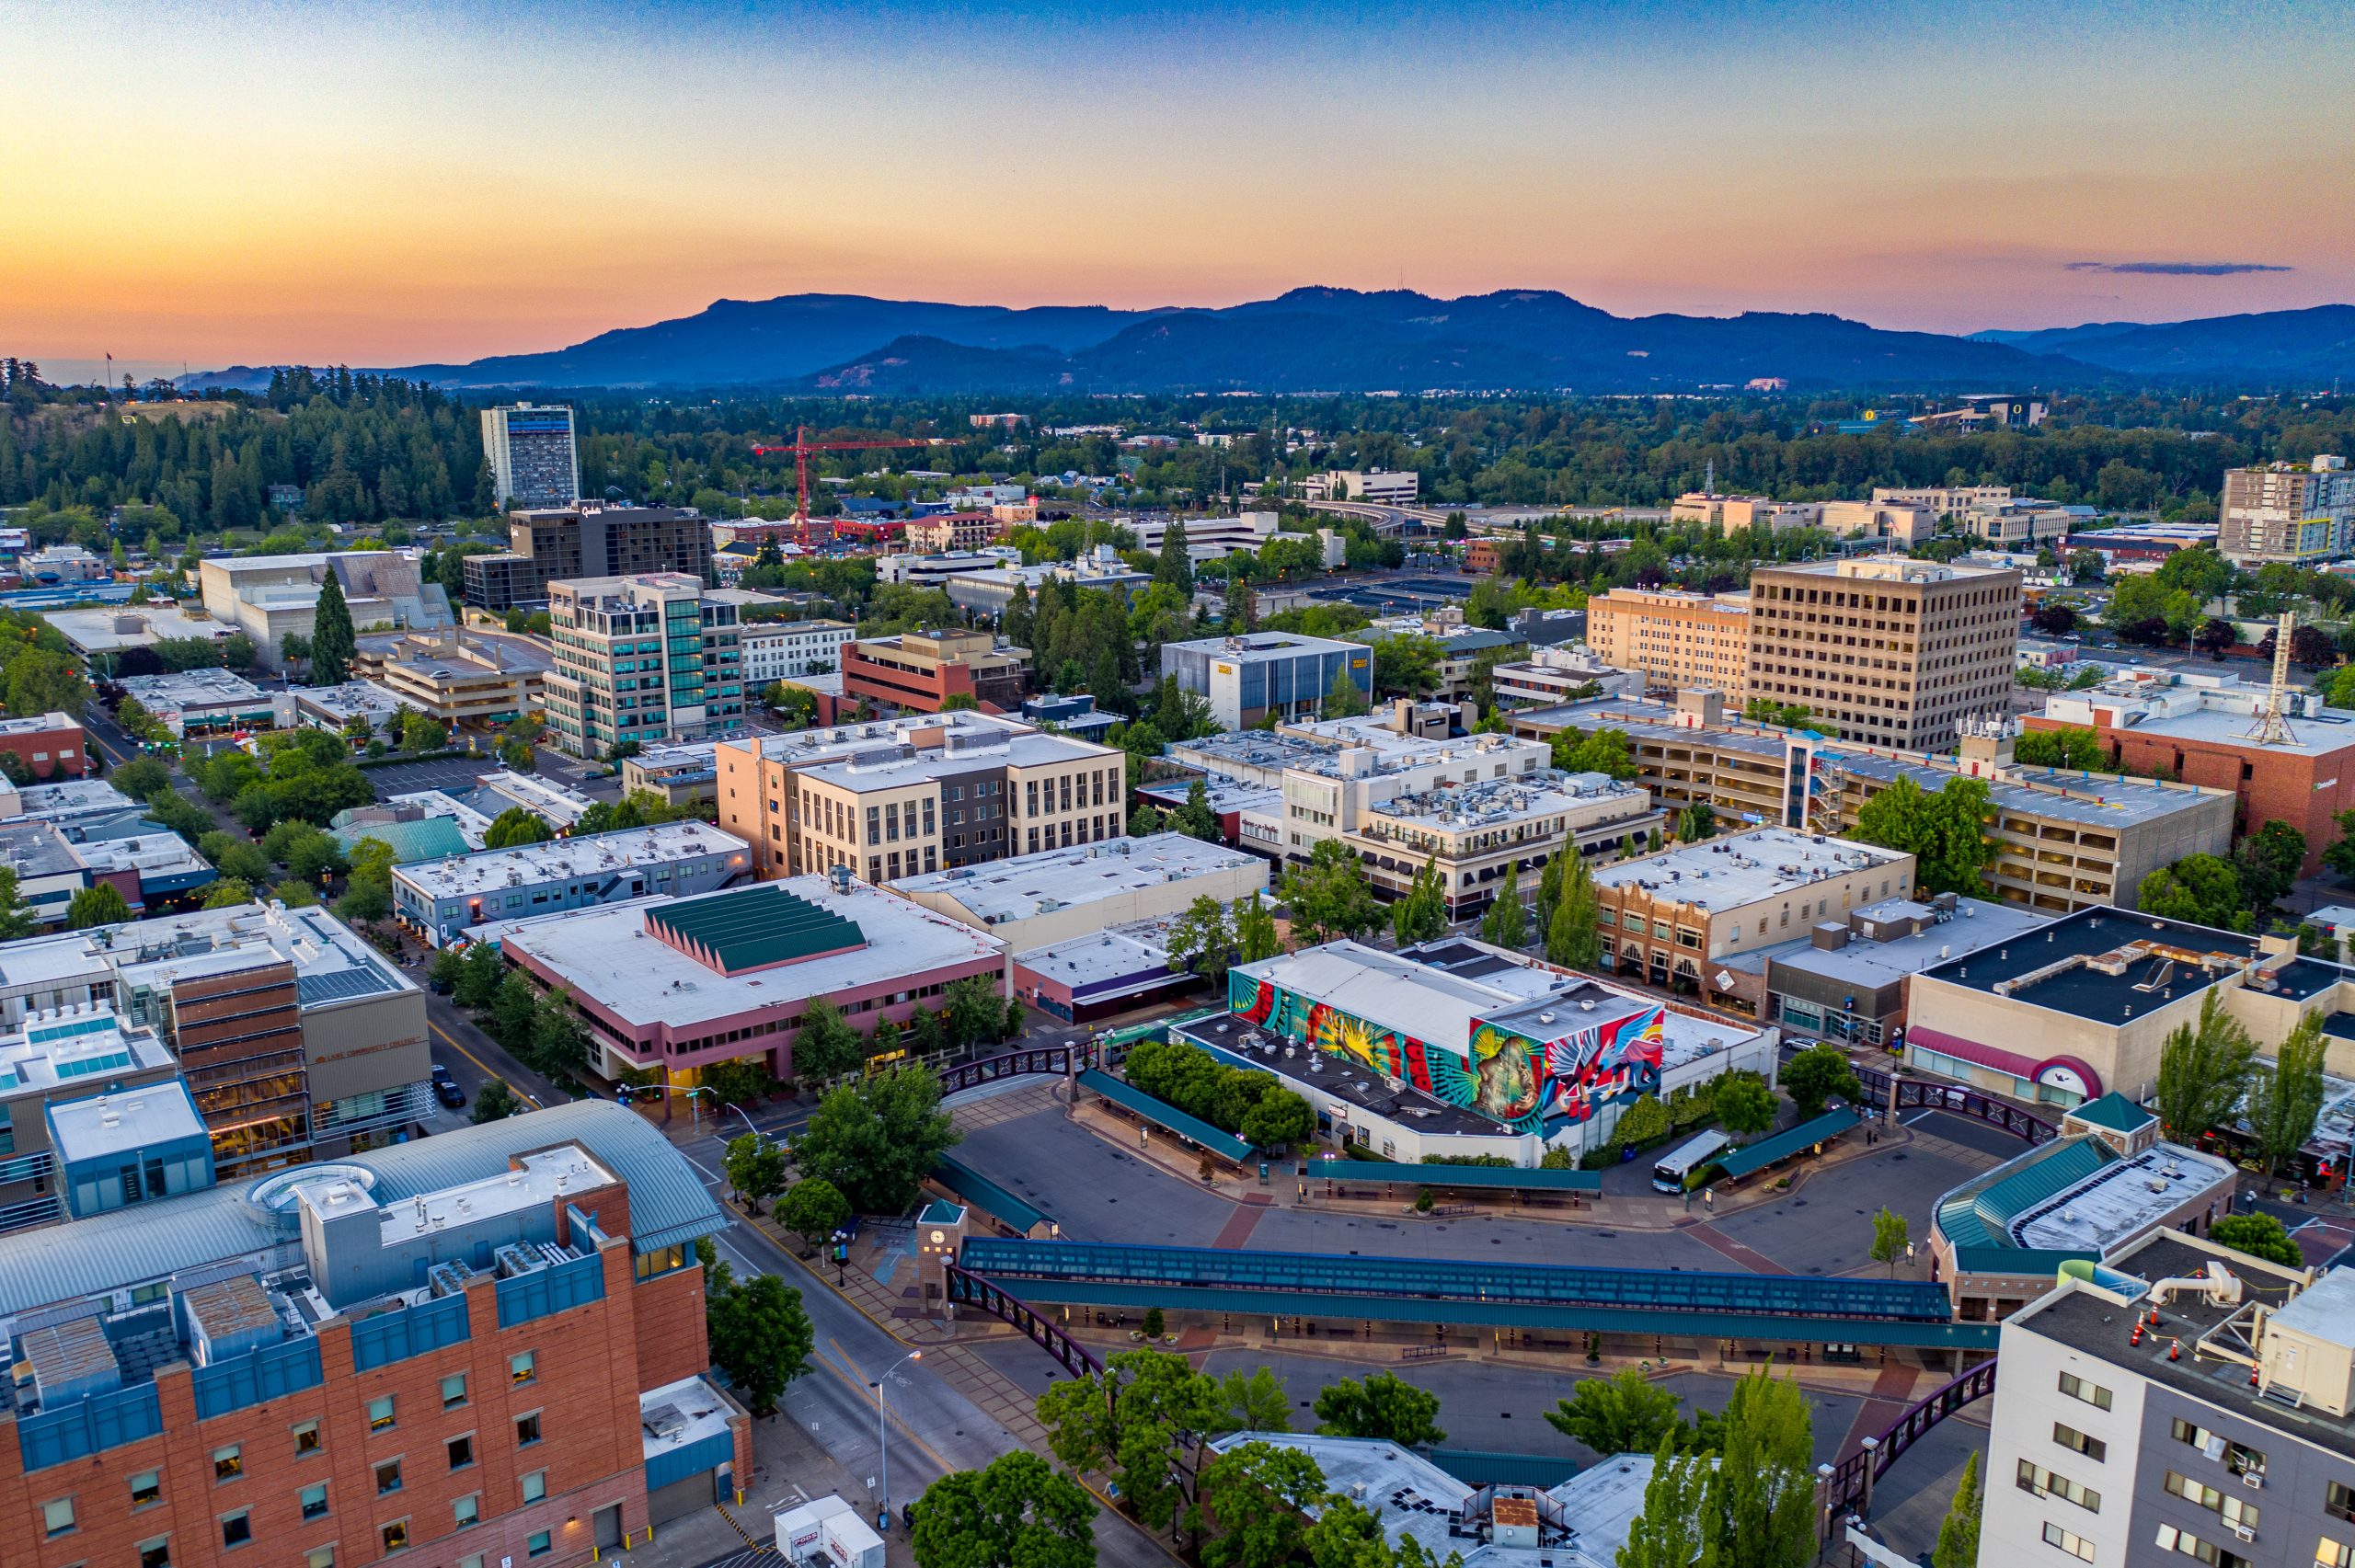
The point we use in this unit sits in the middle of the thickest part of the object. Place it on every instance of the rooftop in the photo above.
(107, 630)
(353, 699)
(801, 748)
(2103, 963)
(1732, 874)
(105, 1124)
(1055, 879)
(2188, 706)
(2054, 793)
(331, 963)
(1134, 956)
(885, 766)
(1224, 795)
(753, 928)
(195, 688)
(70, 798)
(38, 724)
(1488, 802)
(607, 954)
(68, 1047)
(2075, 1195)
(1255, 647)
(1975, 923)
(560, 860)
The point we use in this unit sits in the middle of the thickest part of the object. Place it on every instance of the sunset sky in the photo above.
(380, 185)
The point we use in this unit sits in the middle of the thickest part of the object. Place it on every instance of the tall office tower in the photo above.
(2283, 512)
(643, 658)
(533, 460)
(1886, 649)
(548, 544)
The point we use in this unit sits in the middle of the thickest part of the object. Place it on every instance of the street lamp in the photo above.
(882, 1439)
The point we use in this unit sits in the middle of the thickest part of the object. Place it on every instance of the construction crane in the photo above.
(2272, 726)
(803, 448)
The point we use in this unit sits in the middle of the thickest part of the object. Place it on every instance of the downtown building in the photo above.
(484, 1348)
(640, 660)
(2285, 512)
(534, 459)
(441, 899)
(1674, 639)
(548, 544)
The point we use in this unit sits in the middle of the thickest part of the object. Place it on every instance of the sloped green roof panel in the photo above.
(2113, 1111)
(1979, 1214)
(753, 928)
(430, 838)
(1789, 1141)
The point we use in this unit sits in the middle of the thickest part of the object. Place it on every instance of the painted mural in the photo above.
(1531, 1085)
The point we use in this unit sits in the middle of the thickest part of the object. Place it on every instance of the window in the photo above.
(2223, 1505)
(235, 1529)
(537, 1544)
(395, 1536)
(315, 1500)
(320, 1557)
(453, 1391)
(2329, 1553)
(527, 1430)
(2339, 1502)
(2070, 1437)
(467, 1510)
(462, 1451)
(2035, 1478)
(57, 1515)
(228, 1463)
(389, 1477)
(380, 1413)
(535, 1485)
(146, 1487)
(2075, 1545)
(306, 1438)
(2077, 1387)
(156, 1553)
(2174, 1540)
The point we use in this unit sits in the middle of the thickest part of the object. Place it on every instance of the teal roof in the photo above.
(1979, 1213)
(752, 928)
(1475, 1468)
(1496, 1178)
(429, 838)
(1784, 1144)
(2115, 1112)
(1164, 1115)
(984, 1195)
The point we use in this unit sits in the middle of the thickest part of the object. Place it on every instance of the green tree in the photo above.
(1175, 567)
(1666, 1532)
(1201, 942)
(756, 1166)
(1958, 1544)
(1329, 897)
(1344, 699)
(479, 979)
(877, 1140)
(1891, 1238)
(1280, 1120)
(760, 1337)
(1643, 1122)
(2258, 1235)
(444, 972)
(559, 1045)
(1255, 1498)
(1141, 1421)
(141, 777)
(813, 1208)
(333, 643)
(1946, 832)
(1383, 1406)
(1407, 665)
(1624, 1414)
(515, 826)
(2267, 863)
(1603, 751)
(1696, 822)
(1195, 818)
(1745, 1105)
(423, 732)
(1815, 1076)
(738, 1081)
(1255, 930)
(99, 904)
(1421, 915)
(1572, 939)
(295, 893)
(1145, 821)
(513, 1013)
(825, 1046)
(2284, 1100)
(18, 919)
(2339, 856)
(2199, 889)
(1506, 923)
(2071, 746)
(495, 1102)
(2203, 1073)
(1014, 1512)
(1763, 1486)
(1239, 610)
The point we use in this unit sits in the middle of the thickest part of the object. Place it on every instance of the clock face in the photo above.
(938, 1237)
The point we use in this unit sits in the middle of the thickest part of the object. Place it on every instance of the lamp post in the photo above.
(882, 1439)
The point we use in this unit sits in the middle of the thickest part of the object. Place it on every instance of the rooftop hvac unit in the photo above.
(447, 1278)
(513, 1260)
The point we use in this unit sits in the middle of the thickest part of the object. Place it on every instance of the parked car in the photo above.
(445, 1088)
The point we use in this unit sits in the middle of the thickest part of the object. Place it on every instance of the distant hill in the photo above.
(2311, 345)
(1315, 340)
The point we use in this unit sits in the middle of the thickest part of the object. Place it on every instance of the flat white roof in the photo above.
(350, 700)
(192, 689)
(535, 1181)
(2325, 1309)
(679, 1413)
(1140, 948)
(1028, 750)
(132, 1119)
(1730, 874)
(1083, 874)
(1260, 647)
(560, 860)
(36, 724)
(2120, 1200)
(1429, 1004)
(605, 954)
(96, 631)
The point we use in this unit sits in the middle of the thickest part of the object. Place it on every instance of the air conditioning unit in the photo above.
(2253, 1481)
(2245, 1532)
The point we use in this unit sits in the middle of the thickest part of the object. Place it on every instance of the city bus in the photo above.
(1669, 1175)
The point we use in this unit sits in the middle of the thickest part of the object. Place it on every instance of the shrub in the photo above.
(1643, 1122)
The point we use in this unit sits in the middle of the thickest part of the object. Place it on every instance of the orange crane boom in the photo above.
(803, 447)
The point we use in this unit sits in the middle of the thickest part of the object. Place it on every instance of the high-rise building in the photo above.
(1885, 648)
(1677, 640)
(642, 659)
(2283, 512)
(533, 460)
(557, 543)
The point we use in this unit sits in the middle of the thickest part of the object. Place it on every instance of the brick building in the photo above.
(1676, 639)
(488, 1347)
(51, 746)
(921, 670)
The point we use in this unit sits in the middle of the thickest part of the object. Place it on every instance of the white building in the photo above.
(439, 899)
(779, 650)
(533, 460)
(933, 571)
(207, 700)
(1551, 675)
(1062, 894)
(1246, 677)
(1377, 486)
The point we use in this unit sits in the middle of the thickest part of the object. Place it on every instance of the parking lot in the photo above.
(450, 772)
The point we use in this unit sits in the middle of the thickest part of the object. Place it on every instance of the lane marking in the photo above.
(452, 1041)
(865, 1391)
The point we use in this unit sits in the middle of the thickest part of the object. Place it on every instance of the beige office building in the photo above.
(1676, 640)
(1885, 649)
(2283, 512)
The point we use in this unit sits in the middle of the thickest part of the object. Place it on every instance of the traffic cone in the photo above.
(2136, 1337)
(2175, 1350)
(2252, 1377)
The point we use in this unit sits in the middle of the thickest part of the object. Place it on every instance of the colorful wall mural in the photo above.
(1531, 1085)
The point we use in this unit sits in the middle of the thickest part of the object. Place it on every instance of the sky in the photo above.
(381, 185)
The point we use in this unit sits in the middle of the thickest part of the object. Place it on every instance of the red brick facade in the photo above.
(2307, 791)
(48, 754)
(589, 1364)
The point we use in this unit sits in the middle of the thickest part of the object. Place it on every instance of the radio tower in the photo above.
(2272, 726)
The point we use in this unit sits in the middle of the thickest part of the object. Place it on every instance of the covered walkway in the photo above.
(1138, 1104)
(1783, 1145)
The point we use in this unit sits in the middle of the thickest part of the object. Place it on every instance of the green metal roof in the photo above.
(1979, 1214)
(1785, 1144)
(430, 838)
(987, 1196)
(752, 928)
(2115, 1112)
(1494, 1178)
(1476, 1469)
(1161, 1113)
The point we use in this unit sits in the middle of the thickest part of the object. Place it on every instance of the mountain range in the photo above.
(1324, 340)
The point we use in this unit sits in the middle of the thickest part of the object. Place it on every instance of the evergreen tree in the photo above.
(333, 643)
(1240, 611)
(1507, 923)
(1959, 1531)
(1345, 700)
(1421, 915)
(1175, 568)
(1571, 939)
